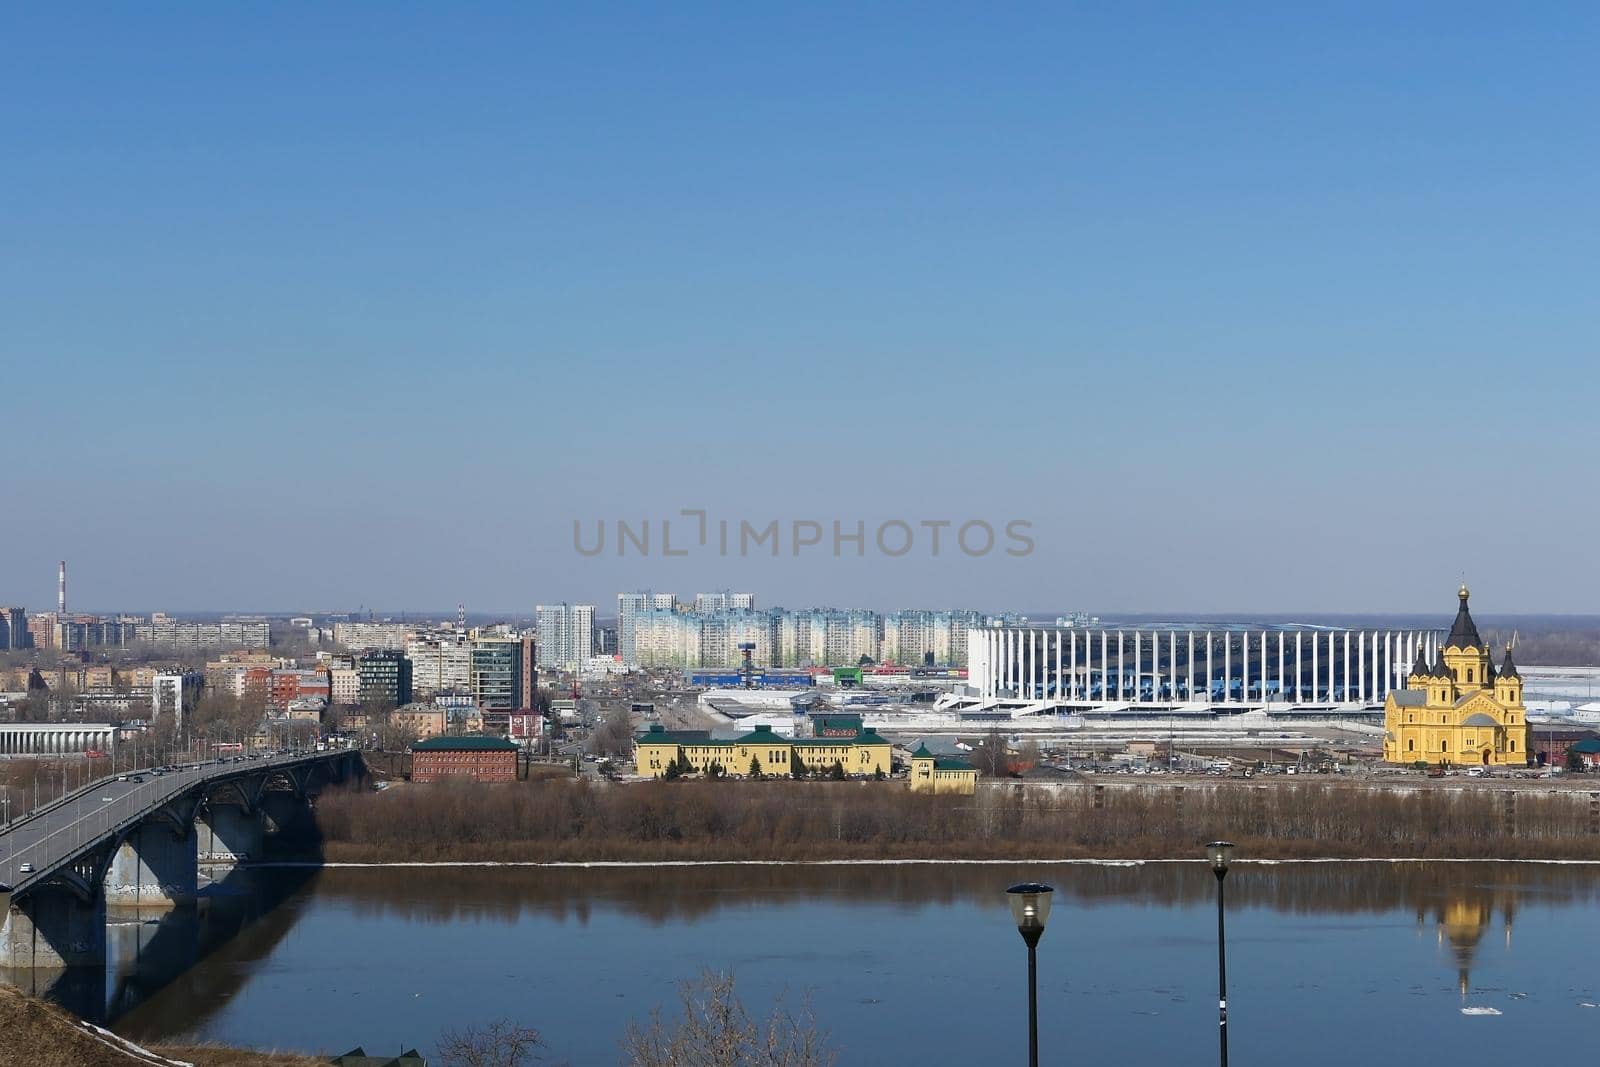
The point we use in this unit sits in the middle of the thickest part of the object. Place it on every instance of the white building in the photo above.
(566, 634)
(175, 693)
(344, 684)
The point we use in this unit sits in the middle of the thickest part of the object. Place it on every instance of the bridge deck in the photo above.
(56, 836)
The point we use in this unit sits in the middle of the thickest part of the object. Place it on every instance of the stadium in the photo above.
(1284, 672)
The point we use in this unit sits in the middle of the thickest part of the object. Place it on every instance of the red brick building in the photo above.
(482, 759)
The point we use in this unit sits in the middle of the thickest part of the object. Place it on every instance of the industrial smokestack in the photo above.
(61, 591)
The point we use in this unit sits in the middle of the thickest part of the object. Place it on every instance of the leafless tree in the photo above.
(717, 1031)
(614, 735)
(990, 757)
(501, 1043)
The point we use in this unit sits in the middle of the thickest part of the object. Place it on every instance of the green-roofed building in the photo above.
(657, 749)
(939, 774)
(478, 757)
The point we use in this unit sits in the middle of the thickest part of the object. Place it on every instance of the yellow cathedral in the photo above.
(1459, 709)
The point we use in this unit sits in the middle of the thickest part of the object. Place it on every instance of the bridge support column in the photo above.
(229, 834)
(54, 928)
(154, 868)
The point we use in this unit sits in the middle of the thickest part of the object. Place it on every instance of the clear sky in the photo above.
(1260, 307)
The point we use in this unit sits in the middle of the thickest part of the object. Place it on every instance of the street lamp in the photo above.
(1030, 907)
(1218, 853)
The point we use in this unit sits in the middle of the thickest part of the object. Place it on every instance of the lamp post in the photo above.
(1030, 906)
(1218, 853)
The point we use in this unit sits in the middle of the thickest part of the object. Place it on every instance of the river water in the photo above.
(1328, 963)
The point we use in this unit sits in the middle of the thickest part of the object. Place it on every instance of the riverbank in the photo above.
(39, 1034)
(578, 822)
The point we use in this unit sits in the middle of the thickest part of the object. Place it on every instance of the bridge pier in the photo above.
(54, 927)
(229, 834)
(154, 867)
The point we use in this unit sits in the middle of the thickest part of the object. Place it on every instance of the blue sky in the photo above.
(1242, 307)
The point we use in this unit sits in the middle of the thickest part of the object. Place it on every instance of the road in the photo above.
(58, 832)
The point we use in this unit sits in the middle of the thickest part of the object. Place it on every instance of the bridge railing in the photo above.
(55, 839)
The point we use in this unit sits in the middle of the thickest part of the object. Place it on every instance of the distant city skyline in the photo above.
(1283, 309)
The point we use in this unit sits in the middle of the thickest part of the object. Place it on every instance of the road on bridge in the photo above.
(47, 838)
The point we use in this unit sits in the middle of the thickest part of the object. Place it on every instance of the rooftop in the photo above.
(465, 743)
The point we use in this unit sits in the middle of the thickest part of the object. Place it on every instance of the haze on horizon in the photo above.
(1271, 310)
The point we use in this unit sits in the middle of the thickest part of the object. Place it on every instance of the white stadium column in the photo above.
(1316, 666)
(1210, 671)
(1138, 682)
(1264, 660)
(1190, 666)
(1060, 692)
(1345, 681)
(1299, 668)
(1244, 664)
(1072, 666)
(1227, 667)
(1330, 664)
(1105, 644)
(1283, 689)
(1122, 664)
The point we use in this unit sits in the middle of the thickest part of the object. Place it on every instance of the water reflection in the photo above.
(662, 895)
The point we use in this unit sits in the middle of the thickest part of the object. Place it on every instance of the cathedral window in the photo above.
(1469, 674)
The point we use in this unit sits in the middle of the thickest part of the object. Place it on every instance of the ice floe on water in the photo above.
(1480, 1010)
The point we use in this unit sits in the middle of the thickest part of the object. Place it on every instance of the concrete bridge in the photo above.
(138, 840)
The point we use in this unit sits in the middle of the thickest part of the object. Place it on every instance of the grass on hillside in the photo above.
(34, 1033)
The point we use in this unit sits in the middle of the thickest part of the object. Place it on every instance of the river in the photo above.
(1328, 963)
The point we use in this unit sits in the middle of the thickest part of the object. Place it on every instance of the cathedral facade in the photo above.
(1458, 710)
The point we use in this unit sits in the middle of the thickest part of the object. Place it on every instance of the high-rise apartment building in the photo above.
(705, 603)
(917, 637)
(629, 605)
(14, 629)
(566, 634)
(441, 662)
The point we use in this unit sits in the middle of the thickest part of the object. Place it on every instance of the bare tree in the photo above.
(717, 1031)
(614, 735)
(501, 1043)
(990, 757)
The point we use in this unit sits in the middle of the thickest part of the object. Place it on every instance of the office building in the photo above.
(385, 677)
(504, 675)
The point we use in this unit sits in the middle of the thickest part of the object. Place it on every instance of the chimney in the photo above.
(61, 591)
